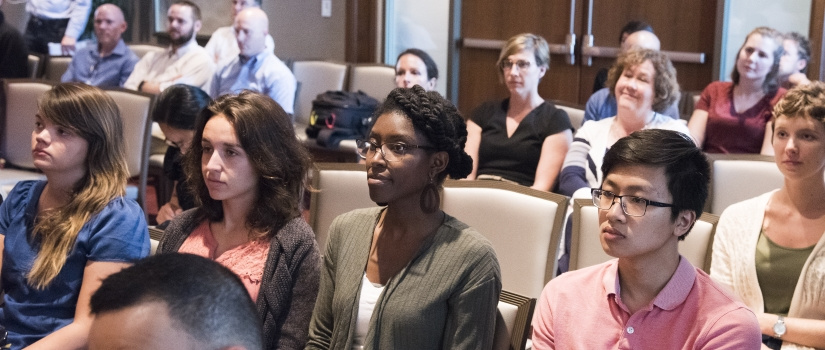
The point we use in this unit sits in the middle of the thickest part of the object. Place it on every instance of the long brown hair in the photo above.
(281, 162)
(93, 115)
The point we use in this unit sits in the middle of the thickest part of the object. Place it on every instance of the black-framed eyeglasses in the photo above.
(391, 151)
(521, 64)
(631, 205)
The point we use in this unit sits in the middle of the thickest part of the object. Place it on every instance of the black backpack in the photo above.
(340, 115)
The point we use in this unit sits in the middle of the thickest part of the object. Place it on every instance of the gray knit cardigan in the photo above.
(290, 281)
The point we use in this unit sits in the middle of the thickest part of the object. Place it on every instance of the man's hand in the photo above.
(68, 45)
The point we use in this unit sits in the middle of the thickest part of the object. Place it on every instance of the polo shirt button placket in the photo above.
(630, 330)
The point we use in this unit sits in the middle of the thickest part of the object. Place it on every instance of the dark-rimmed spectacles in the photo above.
(631, 205)
(391, 151)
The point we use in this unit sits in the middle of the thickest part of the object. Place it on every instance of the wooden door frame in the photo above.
(362, 31)
(816, 66)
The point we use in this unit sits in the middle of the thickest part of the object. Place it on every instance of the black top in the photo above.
(14, 57)
(515, 158)
(173, 169)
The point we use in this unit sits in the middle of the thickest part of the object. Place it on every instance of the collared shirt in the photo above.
(77, 11)
(583, 310)
(264, 73)
(88, 67)
(602, 105)
(223, 45)
(190, 65)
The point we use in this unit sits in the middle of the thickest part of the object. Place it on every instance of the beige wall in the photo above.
(300, 32)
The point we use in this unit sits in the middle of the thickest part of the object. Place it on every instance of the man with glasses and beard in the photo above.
(184, 62)
(654, 187)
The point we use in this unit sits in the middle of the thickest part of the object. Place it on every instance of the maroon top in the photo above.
(730, 132)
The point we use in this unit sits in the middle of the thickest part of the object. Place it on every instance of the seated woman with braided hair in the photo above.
(407, 275)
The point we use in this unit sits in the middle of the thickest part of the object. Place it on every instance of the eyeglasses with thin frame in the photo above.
(521, 64)
(391, 151)
(631, 205)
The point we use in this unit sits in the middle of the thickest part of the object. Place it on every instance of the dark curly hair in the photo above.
(439, 121)
(266, 134)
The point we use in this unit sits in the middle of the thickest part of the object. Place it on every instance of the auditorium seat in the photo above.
(524, 226)
(337, 188)
(375, 80)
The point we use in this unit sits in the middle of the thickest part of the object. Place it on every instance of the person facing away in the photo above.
(111, 61)
(650, 297)
(183, 62)
(256, 68)
(174, 301)
(415, 67)
(794, 62)
(61, 236)
(14, 59)
(223, 45)
(602, 104)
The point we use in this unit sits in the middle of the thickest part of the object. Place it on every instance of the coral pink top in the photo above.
(246, 260)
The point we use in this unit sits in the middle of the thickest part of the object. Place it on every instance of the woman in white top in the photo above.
(770, 250)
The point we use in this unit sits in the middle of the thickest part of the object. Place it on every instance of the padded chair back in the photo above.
(515, 312)
(134, 109)
(35, 65)
(586, 247)
(339, 188)
(315, 77)
(524, 226)
(737, 177)
(142, 49)
(21, 97)
(576, 115)
(55, 67)
(376, 80)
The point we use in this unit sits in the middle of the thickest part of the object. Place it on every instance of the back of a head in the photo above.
(205, 299)
(642, 40)
(633, 27)
(179, 106)
(686, 167)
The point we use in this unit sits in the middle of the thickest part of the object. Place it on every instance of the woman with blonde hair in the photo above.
(247, 171)
(770, 250)
(62, 236)
(522, 139)
(734, 117)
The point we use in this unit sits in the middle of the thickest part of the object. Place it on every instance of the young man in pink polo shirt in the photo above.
(654, 187)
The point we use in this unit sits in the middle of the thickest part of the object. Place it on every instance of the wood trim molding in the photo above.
(361, 45)
(816, 66)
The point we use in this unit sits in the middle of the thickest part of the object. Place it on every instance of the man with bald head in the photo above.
(222, 45)
(255, 68)
(602, 104)
(110, 62)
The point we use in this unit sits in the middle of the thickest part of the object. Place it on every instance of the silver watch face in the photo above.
(779, 328)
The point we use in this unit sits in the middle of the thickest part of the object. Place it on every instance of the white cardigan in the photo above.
(734, 262)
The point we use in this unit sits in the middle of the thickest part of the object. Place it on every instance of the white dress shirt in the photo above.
(223, 45)
(189, 65)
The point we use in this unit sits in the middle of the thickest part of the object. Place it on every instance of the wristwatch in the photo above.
(779, 327)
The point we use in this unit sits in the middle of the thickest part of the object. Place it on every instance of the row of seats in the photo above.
(525, 225)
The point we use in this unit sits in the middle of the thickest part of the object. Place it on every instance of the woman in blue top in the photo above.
(62, 236)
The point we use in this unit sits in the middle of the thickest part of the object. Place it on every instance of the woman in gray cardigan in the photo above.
(408, 276)
(246, 170)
